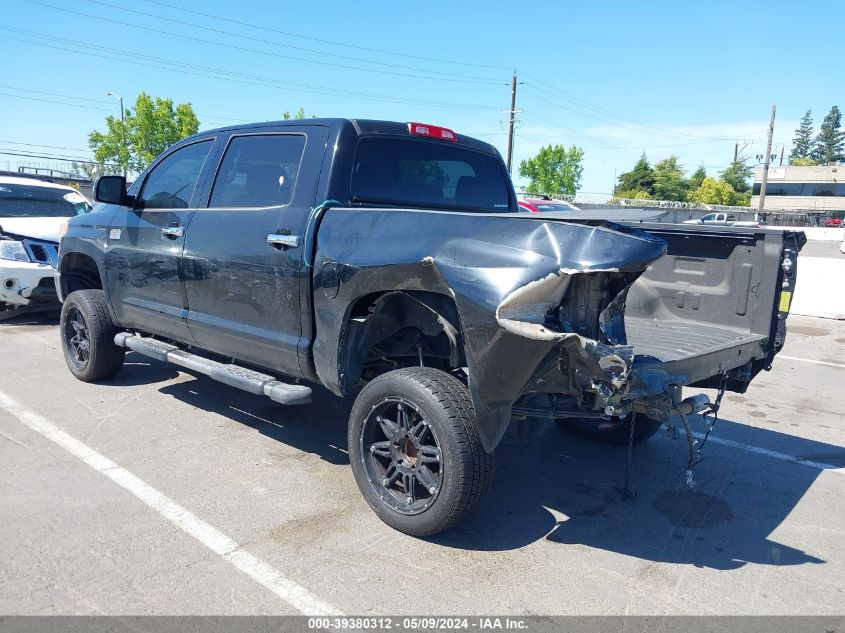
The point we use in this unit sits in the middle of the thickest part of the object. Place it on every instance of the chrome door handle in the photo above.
(173, 232)
(282, 242)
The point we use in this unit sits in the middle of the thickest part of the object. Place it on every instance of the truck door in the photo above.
(144, 249)
(243, 249)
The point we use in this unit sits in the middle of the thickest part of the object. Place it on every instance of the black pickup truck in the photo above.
(390, 260)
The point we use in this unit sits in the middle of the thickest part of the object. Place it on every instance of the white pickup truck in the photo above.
(722, 219)
(31, 214)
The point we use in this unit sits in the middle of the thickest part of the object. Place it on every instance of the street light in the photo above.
(122, 126)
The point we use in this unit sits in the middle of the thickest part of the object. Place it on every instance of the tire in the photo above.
(87, 332)
(615, 431)
(415, 430)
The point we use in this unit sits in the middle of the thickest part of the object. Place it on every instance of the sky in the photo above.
(616, 78)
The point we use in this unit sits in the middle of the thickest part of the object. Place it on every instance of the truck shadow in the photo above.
(318, 428)
(565, 489)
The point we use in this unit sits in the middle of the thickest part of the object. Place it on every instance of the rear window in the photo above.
(417, 173)
(32, 201)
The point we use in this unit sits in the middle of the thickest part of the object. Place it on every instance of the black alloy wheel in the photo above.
(401, 455)
(77, 338)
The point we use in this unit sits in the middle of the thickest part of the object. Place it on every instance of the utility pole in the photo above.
(766, 164)
(511, 119)
(736, 150)
(122, 128)
(781, 155)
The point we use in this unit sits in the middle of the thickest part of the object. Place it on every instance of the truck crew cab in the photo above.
(390, 262)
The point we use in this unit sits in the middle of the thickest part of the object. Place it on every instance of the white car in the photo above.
(722, 219)
(31, 214)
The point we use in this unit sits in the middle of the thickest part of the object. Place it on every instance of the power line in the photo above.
(602, 119)
(254, 50)
(112, 109)
(56, 94)
(72, 149)
(208, 72)
(67, 159)
(289, 46)
(635, 126)
(578, 101)
(324, 41)
(72, 105)
(574, 133)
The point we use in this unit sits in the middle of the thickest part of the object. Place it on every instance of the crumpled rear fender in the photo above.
(534, 298)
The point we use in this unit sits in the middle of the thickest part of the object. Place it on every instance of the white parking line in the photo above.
(264, 574)
(809, 360)
(775, 454)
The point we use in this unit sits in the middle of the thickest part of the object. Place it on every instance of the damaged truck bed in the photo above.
(389, 262)
(572, 316)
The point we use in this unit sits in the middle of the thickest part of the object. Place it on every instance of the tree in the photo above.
(697, 177)
(151, 126)
(554, 170)
(830, 143)
(737, 175)
(803, 162)
(742, 199)
(712, 191)
(632, 194)
(802, 144)
(669, 180)
(92, 171)
(299, 114)
(640, 178)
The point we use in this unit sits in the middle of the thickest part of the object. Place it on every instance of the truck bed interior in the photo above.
(712, 295)
(676, 340)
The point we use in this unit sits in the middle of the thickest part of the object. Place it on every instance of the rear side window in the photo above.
(258, 171)
(428, 174)
(171, 183)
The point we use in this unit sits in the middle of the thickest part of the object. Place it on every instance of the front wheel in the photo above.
(415, 450)
(88, 336)
(615, 431)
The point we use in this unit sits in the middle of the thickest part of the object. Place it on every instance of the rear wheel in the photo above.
(88, 336)
(614, 431)
(415, 450)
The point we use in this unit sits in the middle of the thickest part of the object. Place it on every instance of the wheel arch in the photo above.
(398, 322)
(79, 271)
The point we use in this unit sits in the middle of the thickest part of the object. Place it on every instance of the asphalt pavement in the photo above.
(160, 492)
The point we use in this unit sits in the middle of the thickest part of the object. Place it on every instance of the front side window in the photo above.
(171, 183)
(416, 173)
(709, 217)
(258, 171)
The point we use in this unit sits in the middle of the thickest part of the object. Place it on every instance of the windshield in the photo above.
(32, 201)
(417, 173)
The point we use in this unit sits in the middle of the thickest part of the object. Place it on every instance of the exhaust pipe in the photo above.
(693, 404)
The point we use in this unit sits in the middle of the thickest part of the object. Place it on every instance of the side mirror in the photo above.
(112, 190)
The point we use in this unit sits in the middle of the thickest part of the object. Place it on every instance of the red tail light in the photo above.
(432, 131)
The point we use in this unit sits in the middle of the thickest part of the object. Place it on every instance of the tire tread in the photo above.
(106, 358)
(475, 467)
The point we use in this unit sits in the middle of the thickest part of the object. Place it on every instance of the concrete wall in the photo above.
(817, 233)
(820, 291)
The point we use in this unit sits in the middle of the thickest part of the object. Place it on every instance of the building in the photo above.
(817, 191)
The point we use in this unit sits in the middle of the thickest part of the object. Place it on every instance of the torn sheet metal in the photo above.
(529, 295)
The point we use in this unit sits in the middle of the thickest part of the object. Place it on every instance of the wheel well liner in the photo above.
(79, 272)
(379, 316)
